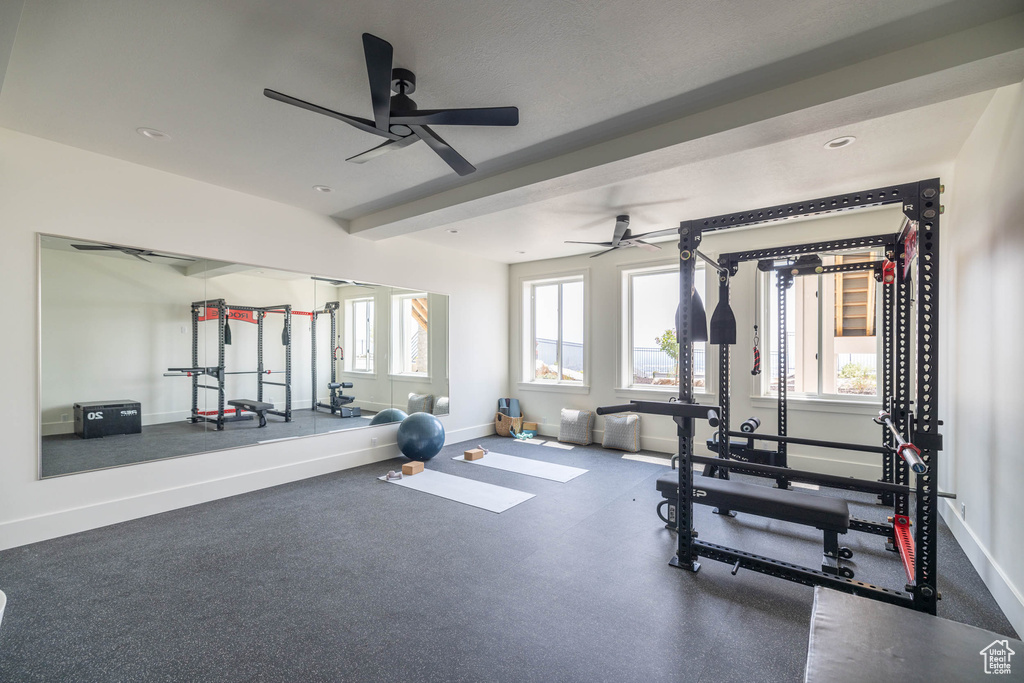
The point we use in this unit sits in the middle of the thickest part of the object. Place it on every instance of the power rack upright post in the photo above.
(910, 427)
(331, 309)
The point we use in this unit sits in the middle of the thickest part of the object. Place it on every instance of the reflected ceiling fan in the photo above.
(339, 283)
(396, 118)
(623, 238)
(137, 253)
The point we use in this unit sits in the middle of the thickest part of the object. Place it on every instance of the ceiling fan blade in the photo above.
(379, 57)
(382, 148)
(645, 245)
(339, 283)
(176, 258)
(600, 244)
(444, 150)
(362, 124)
(601, 253)
(621, 228)
(658, 233)
(132, 253)
(95, 247)
(483, 116)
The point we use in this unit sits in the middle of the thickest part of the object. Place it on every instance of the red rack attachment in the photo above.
(905, 544)
(889, 272)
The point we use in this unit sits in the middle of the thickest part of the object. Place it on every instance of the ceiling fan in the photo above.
(339, 283)
(396, 118)
(623, 238)
(137, 253)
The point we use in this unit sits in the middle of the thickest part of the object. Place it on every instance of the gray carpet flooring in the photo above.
(347, 578)
(67, 453)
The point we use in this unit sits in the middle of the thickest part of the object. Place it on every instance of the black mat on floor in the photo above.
(346, 578)
(67, 453)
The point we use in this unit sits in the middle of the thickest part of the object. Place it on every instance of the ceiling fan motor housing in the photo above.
(403, 81)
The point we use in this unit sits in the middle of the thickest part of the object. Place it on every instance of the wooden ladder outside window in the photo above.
(855, 298)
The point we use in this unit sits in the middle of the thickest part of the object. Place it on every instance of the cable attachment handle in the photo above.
(757, 354)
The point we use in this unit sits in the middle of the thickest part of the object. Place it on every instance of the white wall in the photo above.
(110, 328)
(832, 420)
(52, 188)
(980, 337)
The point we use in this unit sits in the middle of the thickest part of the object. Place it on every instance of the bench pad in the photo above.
(821, 512)
(733, 443)
(254, 406)
(857, 640)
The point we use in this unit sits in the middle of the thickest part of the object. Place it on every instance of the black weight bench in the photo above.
(830, 515)
(257, 407)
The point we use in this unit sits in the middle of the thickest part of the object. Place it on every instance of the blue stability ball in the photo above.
(420, 436)
(388, 415)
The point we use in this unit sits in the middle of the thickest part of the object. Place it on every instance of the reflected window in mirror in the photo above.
(410, 332)
(359, 338)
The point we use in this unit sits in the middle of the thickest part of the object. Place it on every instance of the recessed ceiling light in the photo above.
(153, 134)
(453, 231)
(323, 188)
(844, 141)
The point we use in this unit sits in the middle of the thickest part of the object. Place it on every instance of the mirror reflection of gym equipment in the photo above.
(338, 404)
(227, 370)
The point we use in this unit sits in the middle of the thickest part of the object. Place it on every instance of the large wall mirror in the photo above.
(147, 355)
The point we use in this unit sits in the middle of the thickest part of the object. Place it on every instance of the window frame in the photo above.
(762, 394)
(527, 321)
(624, 352)
(349, 313)
(397, 339)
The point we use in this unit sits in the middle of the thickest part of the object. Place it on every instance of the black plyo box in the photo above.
(104, 418)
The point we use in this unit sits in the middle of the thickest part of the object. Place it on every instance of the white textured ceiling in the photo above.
(89, 72)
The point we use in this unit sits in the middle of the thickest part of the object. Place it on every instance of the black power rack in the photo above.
(903, 344)
(201, 311)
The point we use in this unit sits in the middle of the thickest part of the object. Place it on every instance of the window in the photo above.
(359, 323)
(553, 330)
(831, 322)
(410, 327)
(650, 299)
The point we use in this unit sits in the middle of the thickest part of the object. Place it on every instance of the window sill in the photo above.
(409, 378)
(359, 373)
(556, 388)
(820, 405)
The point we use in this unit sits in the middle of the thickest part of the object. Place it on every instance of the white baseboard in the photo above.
(467, 433)
(61, 523)
(53, 525)
(1007, 596)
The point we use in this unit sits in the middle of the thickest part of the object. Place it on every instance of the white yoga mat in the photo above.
(475, 493)
(532, 468)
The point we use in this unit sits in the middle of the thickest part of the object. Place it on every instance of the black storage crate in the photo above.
(104, 418)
